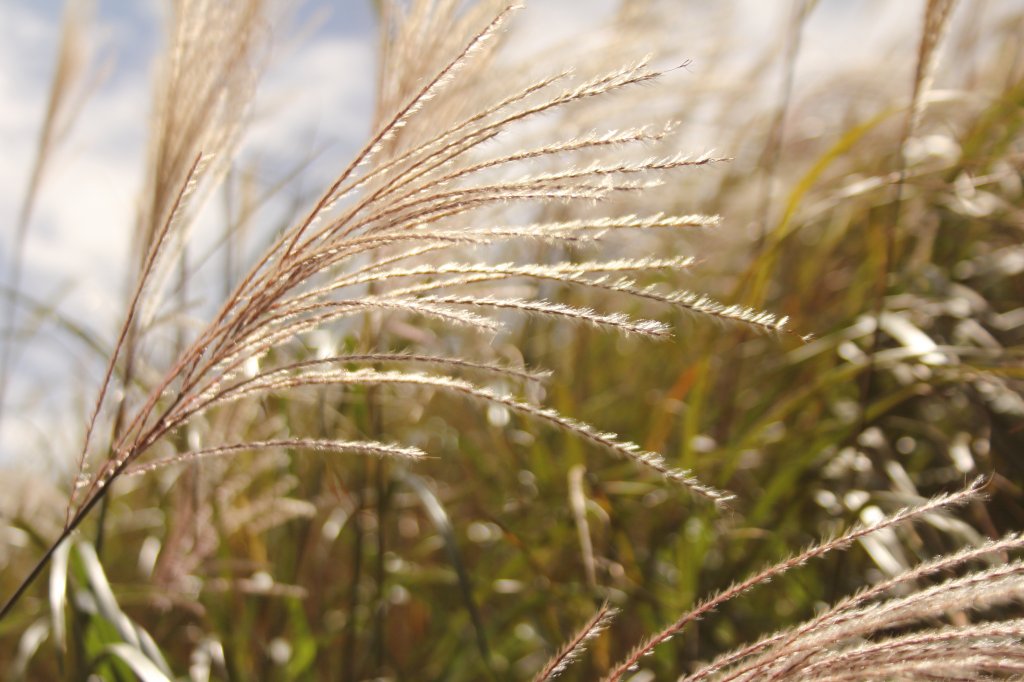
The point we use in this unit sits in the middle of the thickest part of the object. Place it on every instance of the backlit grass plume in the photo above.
(414, 191)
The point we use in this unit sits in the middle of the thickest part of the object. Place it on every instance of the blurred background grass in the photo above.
(902, 256)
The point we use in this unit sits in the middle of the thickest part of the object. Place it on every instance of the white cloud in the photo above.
(321, 94)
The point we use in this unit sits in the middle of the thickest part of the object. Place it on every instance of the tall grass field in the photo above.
(688, 347)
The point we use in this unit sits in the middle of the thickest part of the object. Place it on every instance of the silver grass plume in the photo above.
(421, 186)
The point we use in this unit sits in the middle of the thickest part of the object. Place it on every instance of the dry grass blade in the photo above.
(126, 328)
(470, 273)
(358, 447)
(936, 21)
(524, 374)
(617, 321)
(977, 650)
(575, 647)
(568, 232)
(822, 639)
(398, 121)
(209, 76)
(767, 574)
(609, 441)
(217, 392)
(936, 24)
(798, 638)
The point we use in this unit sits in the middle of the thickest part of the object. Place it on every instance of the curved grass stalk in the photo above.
(708, 605)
